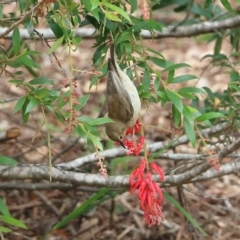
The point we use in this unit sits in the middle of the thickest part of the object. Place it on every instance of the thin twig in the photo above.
(27, 14)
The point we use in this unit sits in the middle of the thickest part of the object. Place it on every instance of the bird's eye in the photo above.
(121, 137)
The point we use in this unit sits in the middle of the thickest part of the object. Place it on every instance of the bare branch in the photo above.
(180, 32)
(27, 14)
(153, 147)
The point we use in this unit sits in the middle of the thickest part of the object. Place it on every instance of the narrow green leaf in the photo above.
(42, 93)
(40, 81)
(3, 208)
(1, 11)
(82, 101)
(146, 80)
(87, 4)
(154, 25)
(13, 221)
(156, 84)
(145, 95)
(5, 230)
(170, 76)
(28, 62)
(176, 116)
(175, 99)
(96, 121)
(117, 9)
(64, 99)
(191, 90)
(95, 4)
(209, 115)
(19, 104)
(33, 102)
(176, 66)
(158, 61)
(189, 129)
(16, 81)
(55, 45)
(100, 121)
(184, 212)
(183, 78)
(7, 161)
(134, 5)
(227, 5)
(96, 141)
(16, 40)
(82, 209)
(112, 17)
(218, 46)
(188, 114)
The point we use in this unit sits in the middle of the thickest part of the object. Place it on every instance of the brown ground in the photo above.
(214, 203)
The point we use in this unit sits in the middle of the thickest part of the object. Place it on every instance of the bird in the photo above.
(123, 102)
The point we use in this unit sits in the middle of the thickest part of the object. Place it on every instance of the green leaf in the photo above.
(16, 81)
(154, 25)
(16, 40)
(175, 99)
(209, 115)
(55, 45)
(176, 116)
(146, 79)
(87, 4)
(156, 83)
(227, 5)
(183, 78)
(176, 66)
(40, 81)
(188, 113)
(134, 5)
(95, 13)
(57, 30)
(184, 212)
(7, 161)
(28, 62)
(19, 104)
(191, 90)
(43, 93)
(117, 9)
(170, 76)
(95, 3)
(96, 141)
(3, 208)
(33, 102)
(218, 45)
(84, 207)
(5, 230)
(1, 11)
(83, 100)
(145, 95)
(189, 129)
(112, 17)
(96, 121)
(158, 61)
(13, 221)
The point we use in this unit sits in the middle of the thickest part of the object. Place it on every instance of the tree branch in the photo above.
(180, 32)
(6, 32)
(153, 147)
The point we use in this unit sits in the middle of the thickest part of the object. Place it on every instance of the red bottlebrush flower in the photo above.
(149, 192)
(135, 129)
(134, 147)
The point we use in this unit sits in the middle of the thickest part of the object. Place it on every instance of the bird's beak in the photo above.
(122, 144)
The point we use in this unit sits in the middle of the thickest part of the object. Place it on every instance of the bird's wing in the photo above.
(118, 100)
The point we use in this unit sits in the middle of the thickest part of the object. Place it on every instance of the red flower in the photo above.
(149, 192)
(135, 129)
(134, 147)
